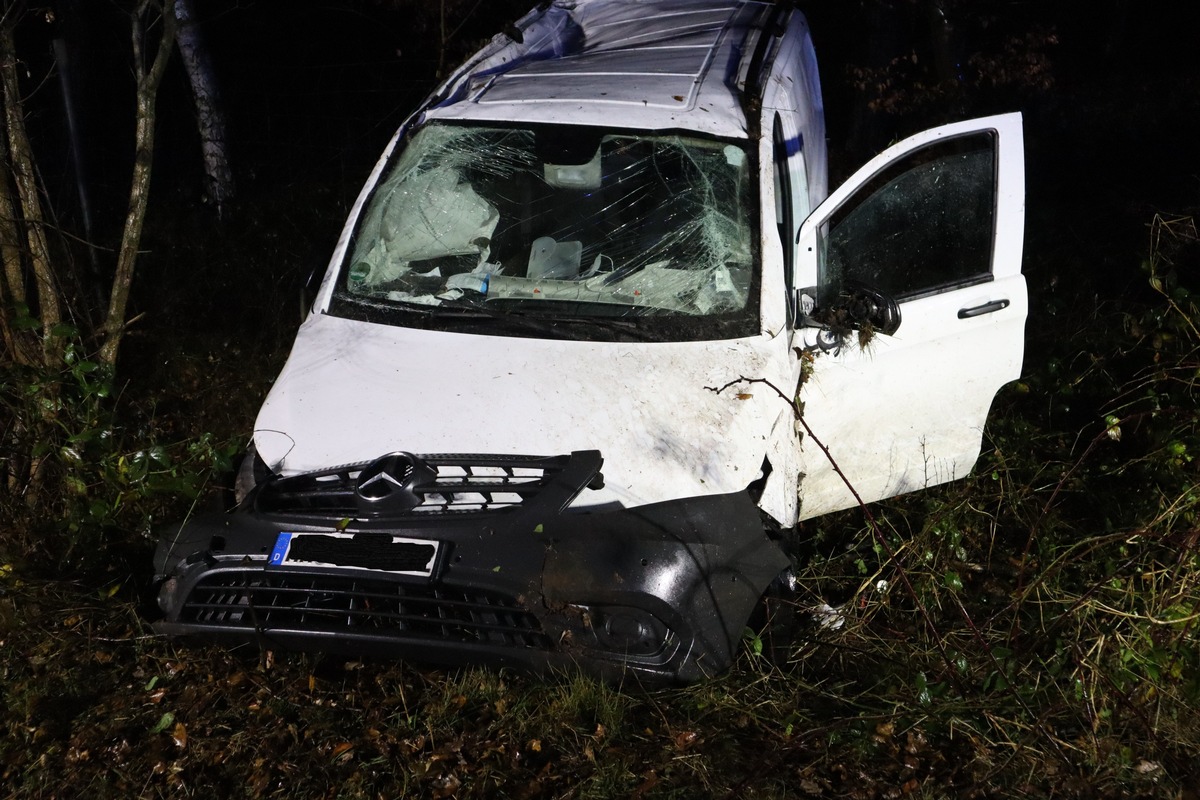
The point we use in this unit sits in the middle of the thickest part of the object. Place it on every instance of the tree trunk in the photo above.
(945, 42)
(68, 72)
(25, 178)
(148, 81)
(210, 117)
(12, 281)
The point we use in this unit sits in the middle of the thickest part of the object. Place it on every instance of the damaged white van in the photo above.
(538, 415)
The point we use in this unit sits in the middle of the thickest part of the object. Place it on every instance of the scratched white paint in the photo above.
(352, 391)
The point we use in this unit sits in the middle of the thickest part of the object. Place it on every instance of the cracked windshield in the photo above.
(558, 226)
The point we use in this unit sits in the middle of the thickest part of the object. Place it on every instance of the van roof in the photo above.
(647, 64)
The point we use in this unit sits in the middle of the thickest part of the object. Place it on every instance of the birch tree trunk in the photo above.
(25, 179)
(210, 116)
(148, 81)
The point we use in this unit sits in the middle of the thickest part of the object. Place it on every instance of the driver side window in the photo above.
(922, 226)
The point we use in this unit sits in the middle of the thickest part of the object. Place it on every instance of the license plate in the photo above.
(376, 552)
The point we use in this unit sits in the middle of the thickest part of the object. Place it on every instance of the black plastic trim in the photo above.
(660, 593)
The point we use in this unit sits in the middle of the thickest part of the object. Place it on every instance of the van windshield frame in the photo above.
(586, 233)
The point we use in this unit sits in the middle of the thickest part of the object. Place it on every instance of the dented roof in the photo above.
(648, 64)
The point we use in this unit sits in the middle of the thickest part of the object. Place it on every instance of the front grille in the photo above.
(258, 600)
(449, 484)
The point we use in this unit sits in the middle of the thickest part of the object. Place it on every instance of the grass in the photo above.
(92, 703)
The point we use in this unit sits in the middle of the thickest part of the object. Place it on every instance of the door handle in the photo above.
(986, 308)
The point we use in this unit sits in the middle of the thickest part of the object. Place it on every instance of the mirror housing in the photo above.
(858, 307)
(869, 307)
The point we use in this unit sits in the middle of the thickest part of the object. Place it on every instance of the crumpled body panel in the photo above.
(352, 391)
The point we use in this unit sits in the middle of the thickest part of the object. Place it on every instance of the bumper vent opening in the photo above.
(350, 606)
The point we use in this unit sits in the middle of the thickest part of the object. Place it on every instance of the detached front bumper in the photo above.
(474, 560)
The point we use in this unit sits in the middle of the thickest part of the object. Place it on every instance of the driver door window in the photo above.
(924, 225)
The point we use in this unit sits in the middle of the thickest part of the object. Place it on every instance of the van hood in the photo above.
(352, 391)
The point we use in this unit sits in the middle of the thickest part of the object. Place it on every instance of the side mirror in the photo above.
(858, 307)
(869, 307)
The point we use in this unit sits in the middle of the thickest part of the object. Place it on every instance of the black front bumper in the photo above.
(661, 592)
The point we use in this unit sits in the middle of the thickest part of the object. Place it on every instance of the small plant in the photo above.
(74, 471)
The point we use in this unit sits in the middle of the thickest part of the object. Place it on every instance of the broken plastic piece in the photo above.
(551, 259)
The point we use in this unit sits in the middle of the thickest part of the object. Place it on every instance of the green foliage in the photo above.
(75, 472)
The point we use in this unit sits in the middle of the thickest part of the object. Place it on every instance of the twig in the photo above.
(875, 530)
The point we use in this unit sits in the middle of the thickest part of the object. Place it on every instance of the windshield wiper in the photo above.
(520, 322)
(550, 323)
(627, 327)
(617, 325)
(550, 326)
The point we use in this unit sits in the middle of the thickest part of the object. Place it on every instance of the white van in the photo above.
(541, 412)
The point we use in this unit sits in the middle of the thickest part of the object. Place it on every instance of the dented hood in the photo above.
(352, 391)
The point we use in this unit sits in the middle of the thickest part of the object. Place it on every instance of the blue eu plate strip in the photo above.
(281, 549)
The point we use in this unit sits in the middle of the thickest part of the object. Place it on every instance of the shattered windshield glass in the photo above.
(559, 224)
